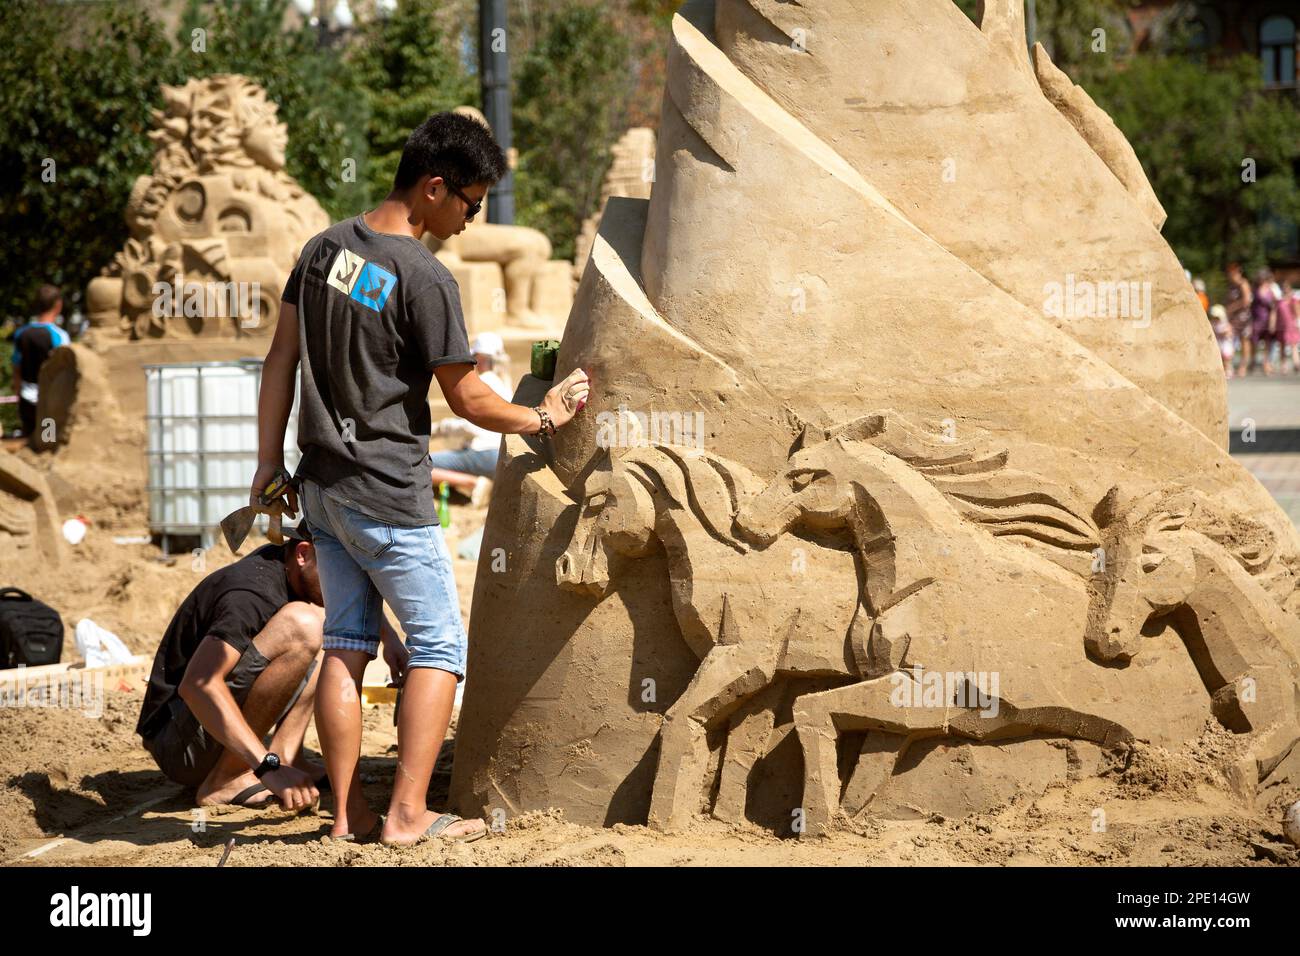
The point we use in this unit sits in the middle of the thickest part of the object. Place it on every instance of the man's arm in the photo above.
(275, 402)
(473, 399)
(204, 690)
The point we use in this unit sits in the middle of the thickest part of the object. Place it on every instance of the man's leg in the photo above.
(290, 642)
(460, 480)
(462, 468)
(289, 733)
(352, 614)
(415, 577)
(338, 723)
(26, 417)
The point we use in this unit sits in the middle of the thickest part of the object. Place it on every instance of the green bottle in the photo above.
(444, 504)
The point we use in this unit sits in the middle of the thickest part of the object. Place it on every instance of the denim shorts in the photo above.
(481, 462)
(364, 562)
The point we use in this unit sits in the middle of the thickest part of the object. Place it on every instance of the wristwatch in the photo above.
(270, 763)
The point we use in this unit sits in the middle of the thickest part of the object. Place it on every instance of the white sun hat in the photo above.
(488, 343)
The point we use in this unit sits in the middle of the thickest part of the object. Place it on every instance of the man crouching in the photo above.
(238, 659)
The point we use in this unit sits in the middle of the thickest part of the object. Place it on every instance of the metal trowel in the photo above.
(271, 501)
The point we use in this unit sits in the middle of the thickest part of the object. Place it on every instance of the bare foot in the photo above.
(408, 833)
(209, 796)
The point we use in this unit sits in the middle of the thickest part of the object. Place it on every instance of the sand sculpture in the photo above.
(860, 520)
(505, 273)
(217, 226)
(29, 519)
(631, 174)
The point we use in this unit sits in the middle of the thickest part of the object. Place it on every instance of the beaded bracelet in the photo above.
(548, 426)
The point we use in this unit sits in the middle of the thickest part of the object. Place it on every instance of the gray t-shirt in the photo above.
(376, 314)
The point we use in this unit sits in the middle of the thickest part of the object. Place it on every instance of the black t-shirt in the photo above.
(33, 344)
(232, 604)
(377, 313)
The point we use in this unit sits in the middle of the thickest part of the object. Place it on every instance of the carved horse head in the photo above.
(625, 498)
(618, 513)
(1145, 567)
(814, 490)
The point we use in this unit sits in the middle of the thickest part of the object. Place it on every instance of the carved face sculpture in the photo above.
(233, 124)
(266, 142)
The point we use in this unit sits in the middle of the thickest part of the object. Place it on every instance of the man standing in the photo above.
(238, 659)
(33, 344)
(374, 318)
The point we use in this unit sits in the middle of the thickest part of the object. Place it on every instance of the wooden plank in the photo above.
(113, 670)
(35, 686)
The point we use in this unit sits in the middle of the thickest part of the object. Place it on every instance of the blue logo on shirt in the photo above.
(373, 286)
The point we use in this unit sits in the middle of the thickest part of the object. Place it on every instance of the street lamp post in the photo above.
(494, 73)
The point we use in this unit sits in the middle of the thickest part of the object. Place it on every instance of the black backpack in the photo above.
(31, 633)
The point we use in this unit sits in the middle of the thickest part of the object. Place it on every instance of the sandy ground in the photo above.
(79, 789)
(65, 774)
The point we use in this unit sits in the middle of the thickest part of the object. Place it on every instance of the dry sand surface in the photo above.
(81, 790)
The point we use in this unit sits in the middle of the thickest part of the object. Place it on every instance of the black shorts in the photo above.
(183, 750)
(27, 416)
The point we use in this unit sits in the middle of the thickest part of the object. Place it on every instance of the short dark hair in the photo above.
(47, 297)
(458, 148)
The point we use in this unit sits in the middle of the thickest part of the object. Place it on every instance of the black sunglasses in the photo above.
(474, 207)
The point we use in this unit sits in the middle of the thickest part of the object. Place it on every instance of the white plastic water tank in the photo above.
(202, 444)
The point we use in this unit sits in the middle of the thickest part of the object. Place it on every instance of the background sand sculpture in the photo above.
(937, 543)
(218, 210)
(631, 174)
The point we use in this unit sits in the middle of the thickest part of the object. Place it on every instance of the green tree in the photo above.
(74, 122)
(571, 93)
(1068, 31)
(1203, 134)
(1221, 151)
(409, 69)
(320, 100)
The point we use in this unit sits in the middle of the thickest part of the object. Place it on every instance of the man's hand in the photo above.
(564, 400)
(295, 790)
(264, 476)
(396, 657)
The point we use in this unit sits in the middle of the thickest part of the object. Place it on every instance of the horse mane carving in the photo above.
(1251, 544)
(973, 475)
